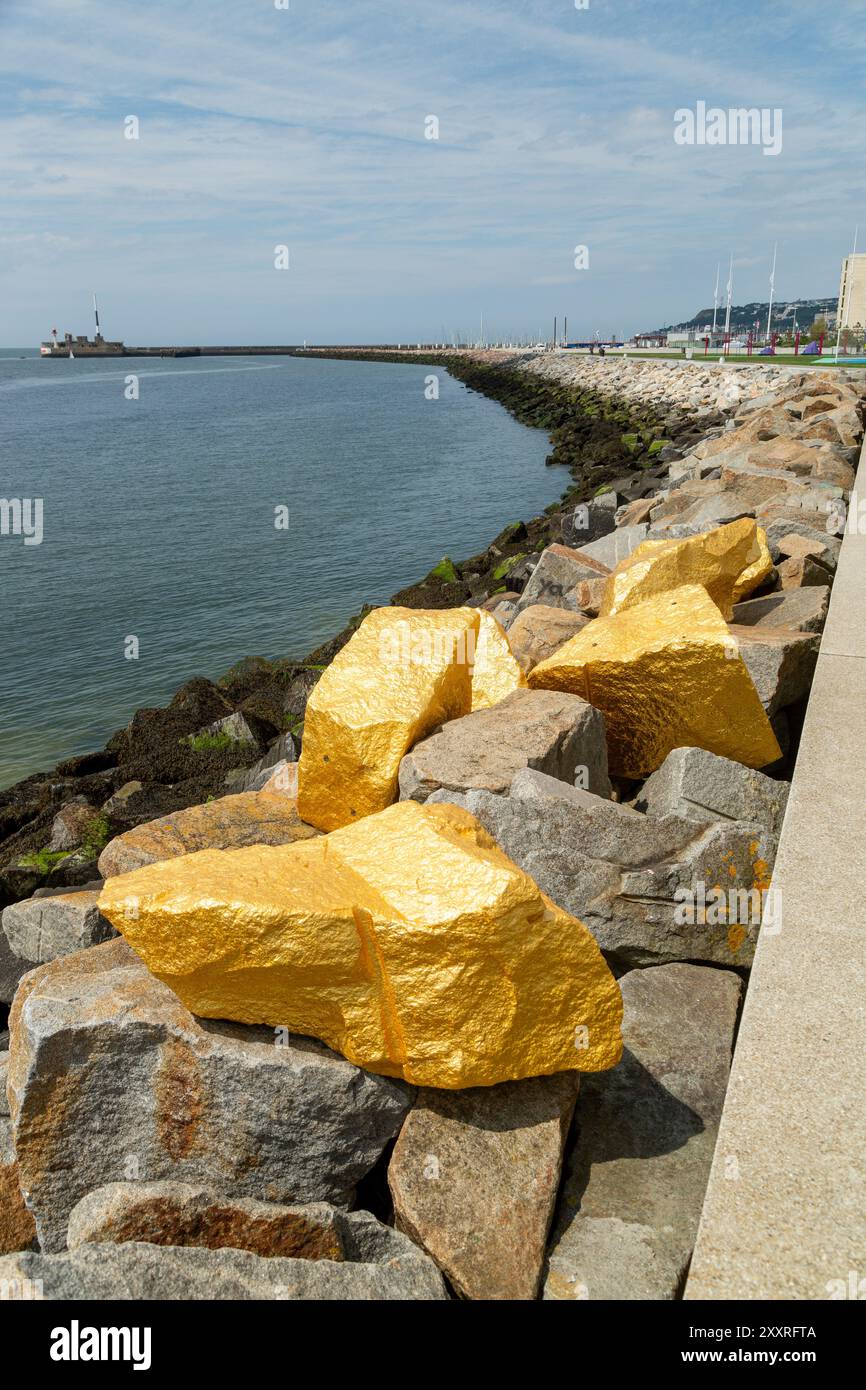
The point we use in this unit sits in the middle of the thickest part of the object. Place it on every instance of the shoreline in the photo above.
(607, 442)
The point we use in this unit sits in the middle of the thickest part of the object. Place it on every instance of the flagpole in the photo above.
(848, 298)
(772, 289)
(716, 297)
(728, 311)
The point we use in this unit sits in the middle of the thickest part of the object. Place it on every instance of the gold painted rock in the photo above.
(408, 942)
(267, 817)
(496, 671)
(404, 671)
(666, 674)
(755, 573)
(714, 559)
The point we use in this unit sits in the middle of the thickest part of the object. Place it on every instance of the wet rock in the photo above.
(250, 818)
(298, 692)
(507, 596)
(155, 745)
(71, 825)
(111, 1078)
(589, 521)
(135, 802)
(236, 727)
(703, 787)
(140, 1272)
(244, 677)
(474, 1176)
(641, 885)
(644, 1140)
(558, 734)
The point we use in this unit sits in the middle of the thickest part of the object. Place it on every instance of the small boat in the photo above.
(71, 353)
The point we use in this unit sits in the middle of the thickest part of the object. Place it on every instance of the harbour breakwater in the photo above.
(741, 491)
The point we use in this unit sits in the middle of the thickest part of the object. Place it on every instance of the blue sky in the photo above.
(262, 126)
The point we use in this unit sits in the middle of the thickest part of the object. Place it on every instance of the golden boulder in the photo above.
(714, 559)
(408, 942)
(404, 671)
(755, 574)
(666, 674)
(496, 671)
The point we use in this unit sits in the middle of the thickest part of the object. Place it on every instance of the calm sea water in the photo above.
(159, 520)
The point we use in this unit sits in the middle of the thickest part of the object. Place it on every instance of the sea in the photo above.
(162, 519)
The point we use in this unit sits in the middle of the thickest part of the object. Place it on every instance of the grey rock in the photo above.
(12, 969)
(644, 1139)
(505, 612)
(229, 822)
(139, 1272)
(283, 751)
(93, 885)
(17, 1230)
(558, 572)
(609, 550)
(178, 1214)
(41, 929)
(589, 521)
(557, 733)
(236, 727)
(640, 884)
(802, 610)
(702, 786)
(70, 825)
(474, 1176)
(539, 631)
(110, 1077)
(780, 661)
(778, 529)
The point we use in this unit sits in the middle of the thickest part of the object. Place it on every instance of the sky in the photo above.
(305, 124)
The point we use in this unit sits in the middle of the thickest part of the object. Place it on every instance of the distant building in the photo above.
(851, 310)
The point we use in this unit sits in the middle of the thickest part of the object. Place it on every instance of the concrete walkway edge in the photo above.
(785, 1210)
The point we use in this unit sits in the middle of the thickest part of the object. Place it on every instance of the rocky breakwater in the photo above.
(445, 1004)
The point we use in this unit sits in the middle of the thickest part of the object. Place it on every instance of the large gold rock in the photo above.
(754, 574)
(666, 674)
(496, 671)
(408, 942)
(715, 559)
(403, 672)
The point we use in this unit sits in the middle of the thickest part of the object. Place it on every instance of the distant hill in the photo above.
(744, 316)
